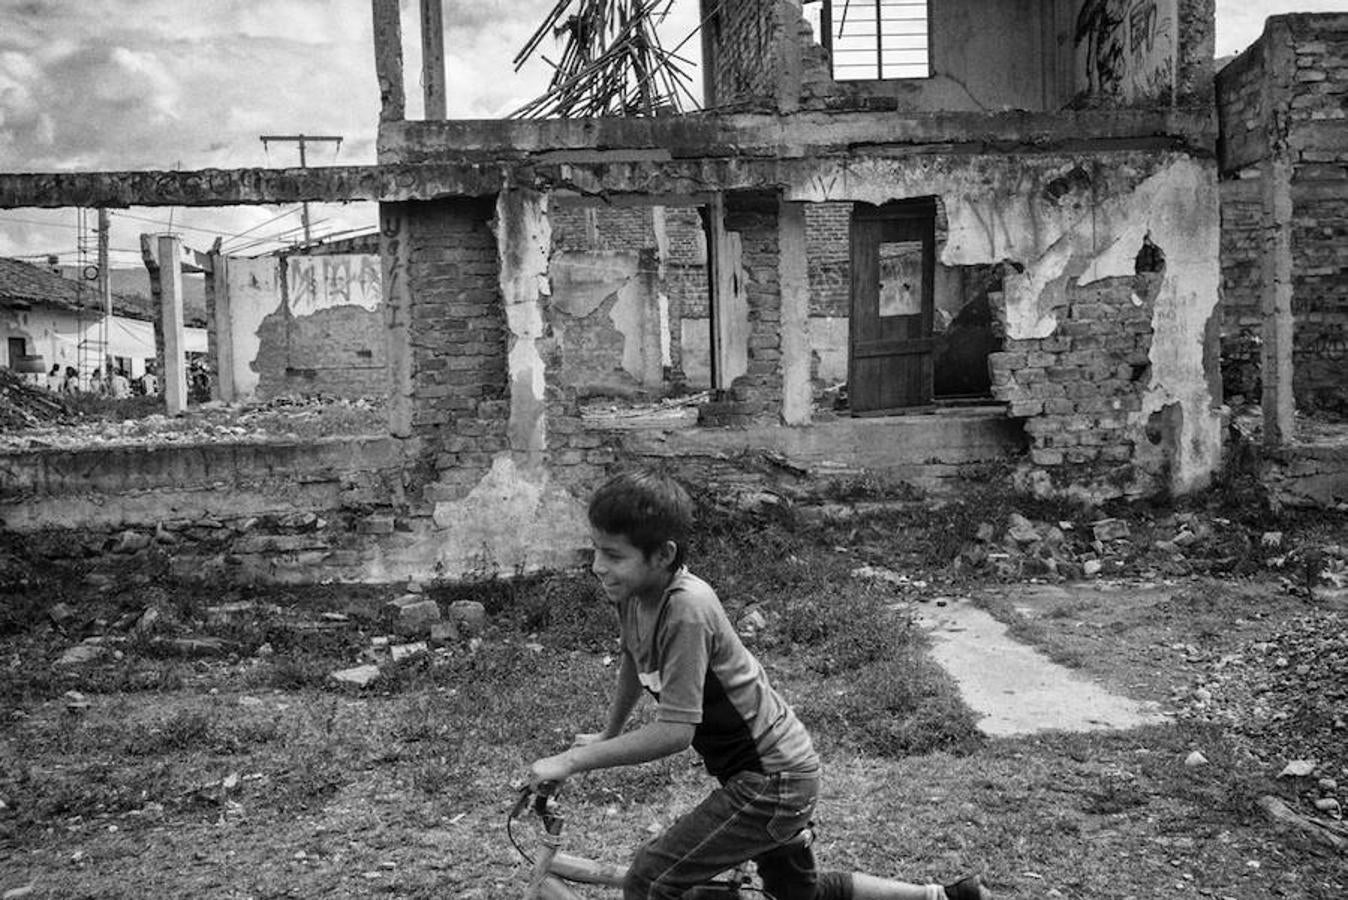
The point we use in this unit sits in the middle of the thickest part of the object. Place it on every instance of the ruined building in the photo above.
(1011, 239)
(1283, 107)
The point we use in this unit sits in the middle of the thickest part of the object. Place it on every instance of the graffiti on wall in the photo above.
(1128, 48)
(315, 283)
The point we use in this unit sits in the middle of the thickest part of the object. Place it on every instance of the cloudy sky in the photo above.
(162, 84)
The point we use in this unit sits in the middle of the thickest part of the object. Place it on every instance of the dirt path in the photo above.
(1014, 687)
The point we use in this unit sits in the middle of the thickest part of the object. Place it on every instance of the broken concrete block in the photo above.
(1111, 529)
(469, 615)
(444, 633)
(82, 653)
(196, 646)
(130, 542)
(227, 612)
(412, 614)
(1021, 530)
(60, 614)
(360, 676)
(400, 652)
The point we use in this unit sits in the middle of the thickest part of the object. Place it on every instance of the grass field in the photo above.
(155, 771)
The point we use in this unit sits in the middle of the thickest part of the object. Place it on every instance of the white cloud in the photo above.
(128, 84)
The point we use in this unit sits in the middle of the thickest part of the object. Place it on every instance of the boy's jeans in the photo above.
(751, 816)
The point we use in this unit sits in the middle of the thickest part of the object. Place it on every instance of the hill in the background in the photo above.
(133, 284)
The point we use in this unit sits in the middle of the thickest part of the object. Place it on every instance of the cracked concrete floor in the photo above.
(1013, 687)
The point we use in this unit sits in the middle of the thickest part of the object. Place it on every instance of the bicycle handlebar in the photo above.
(545, 805)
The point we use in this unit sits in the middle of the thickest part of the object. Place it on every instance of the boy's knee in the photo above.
(637, 883)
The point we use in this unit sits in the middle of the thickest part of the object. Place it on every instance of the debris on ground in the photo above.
(27, 405)
(130, 423)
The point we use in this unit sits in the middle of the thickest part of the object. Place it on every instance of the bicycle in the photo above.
(551, 869)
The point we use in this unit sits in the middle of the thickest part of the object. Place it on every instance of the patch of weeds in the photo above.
(290, 672)
(185, 731)
(571, 609)
(842, 627)
(316, 773)
(901, 706)
(434, 777)
(41, 797)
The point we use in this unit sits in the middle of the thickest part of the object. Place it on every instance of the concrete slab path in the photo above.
(1013, 687)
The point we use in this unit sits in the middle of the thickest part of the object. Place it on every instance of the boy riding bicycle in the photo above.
(712, 693)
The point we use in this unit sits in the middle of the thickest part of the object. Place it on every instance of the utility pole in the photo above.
(104, 273)
(104, 284)
(303, 140)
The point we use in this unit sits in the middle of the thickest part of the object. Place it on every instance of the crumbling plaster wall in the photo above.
(497, 454)
(985, 55)
(1064, 224)
(300, 325)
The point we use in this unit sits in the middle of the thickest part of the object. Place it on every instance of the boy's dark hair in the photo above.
(646, 508)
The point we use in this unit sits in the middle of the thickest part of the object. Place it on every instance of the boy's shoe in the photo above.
(970, 887)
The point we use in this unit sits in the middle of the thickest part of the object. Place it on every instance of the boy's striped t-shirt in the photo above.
(687, 654)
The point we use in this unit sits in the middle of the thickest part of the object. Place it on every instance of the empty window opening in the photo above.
(870, 40)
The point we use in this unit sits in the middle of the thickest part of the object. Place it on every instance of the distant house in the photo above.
(47, 320)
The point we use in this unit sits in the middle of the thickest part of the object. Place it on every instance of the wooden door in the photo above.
(893, 302)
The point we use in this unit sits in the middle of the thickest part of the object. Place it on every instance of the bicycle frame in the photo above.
(552, 868)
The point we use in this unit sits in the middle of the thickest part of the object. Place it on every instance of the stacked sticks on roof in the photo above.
(612, 63)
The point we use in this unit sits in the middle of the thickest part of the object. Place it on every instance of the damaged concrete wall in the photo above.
(621, 277)
(1090, 379)
(985, 55)
(301, 325)
(495, 455)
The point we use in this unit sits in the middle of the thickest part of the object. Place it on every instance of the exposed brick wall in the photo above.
(459, 366)
(1242, 259)
(745, 66)
(1077, 387)
(828, 241)
(1320, 302)
(601, 228)
(339, 351)
(1241, 116)
(1320, 82)
(1311, 91)
(756, 396)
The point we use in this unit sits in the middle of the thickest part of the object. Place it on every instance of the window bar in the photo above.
(879, 40)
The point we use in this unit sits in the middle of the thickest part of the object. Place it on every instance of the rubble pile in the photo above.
(26, 405)
(283, 418)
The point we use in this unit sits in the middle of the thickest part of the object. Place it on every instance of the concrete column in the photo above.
(222, 317)
(794, 278)
(169, 257)
(1278, 400)
(729, 306)
(523, 242)
(394, 255)
(388, 59)
(433, 58)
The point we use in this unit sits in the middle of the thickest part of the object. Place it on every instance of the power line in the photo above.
(280, 215)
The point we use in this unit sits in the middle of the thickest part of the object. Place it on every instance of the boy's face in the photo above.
(624, 571)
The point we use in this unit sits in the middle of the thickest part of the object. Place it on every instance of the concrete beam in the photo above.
(790, 136)
(246, 187)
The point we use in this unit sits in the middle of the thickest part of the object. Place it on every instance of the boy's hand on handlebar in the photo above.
(550, 768)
